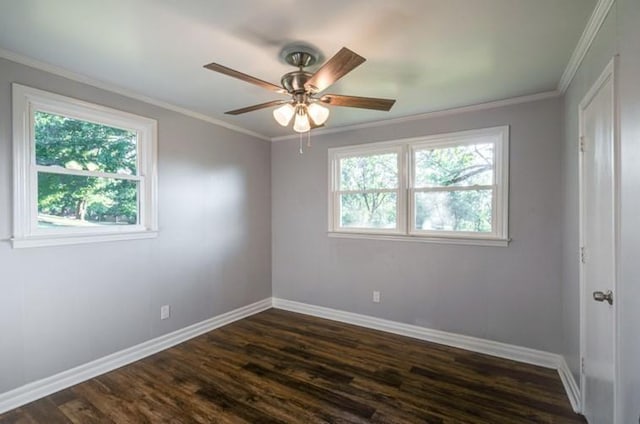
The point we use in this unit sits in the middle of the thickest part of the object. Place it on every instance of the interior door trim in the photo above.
(609, 72)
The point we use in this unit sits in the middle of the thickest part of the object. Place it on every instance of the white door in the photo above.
(598, 200)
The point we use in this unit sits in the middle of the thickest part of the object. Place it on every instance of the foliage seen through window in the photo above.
(454, 188)
(80, 200)
(368, 186)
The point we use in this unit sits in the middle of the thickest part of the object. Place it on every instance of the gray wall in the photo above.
(509, 294)
(628, 12)
(601, 52)
(64, 306)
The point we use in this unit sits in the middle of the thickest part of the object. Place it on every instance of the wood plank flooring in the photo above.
(281, 367)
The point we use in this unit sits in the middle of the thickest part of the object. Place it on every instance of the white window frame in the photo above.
(406, 207)
(27, 101)
(335, 192)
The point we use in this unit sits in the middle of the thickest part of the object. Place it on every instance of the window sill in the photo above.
(61, 240)
(470, 241)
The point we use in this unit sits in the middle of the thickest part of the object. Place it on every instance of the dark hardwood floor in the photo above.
(281, 367)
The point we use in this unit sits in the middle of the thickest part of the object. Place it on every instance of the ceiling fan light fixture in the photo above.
(301, 123)
(284, 113)
(318, 113)
(305, 106)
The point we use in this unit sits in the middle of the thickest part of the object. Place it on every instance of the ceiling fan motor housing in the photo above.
(294, 81)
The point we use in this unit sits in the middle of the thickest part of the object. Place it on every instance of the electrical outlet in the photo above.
(376, 296)
(165, 311)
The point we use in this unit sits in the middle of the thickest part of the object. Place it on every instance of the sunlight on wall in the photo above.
(225, 206)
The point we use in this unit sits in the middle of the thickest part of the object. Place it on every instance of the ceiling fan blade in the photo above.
(256, 107)
(244, 77)
(361, 102)
(335, 68)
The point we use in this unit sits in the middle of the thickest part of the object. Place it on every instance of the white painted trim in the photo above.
(474, 344)
(617, 352)
(609, 73)
(570, 385)
(52, 69)
(596, 20)
(26, 233)
(405, 149)
(44, 387)
(488, 347)
(500, 187)
(430, 115)
(46, 241)
(85, 173)
(336, 154)
(41, 388)
(471, 241)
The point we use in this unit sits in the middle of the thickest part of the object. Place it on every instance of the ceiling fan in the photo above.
(304, 88)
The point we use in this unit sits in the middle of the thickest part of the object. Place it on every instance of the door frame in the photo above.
(609, 72)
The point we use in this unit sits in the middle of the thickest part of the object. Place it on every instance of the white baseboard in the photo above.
(474, 344)
(41, 388)
(570, 385)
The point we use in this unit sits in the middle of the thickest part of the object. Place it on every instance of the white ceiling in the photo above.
(428, 54)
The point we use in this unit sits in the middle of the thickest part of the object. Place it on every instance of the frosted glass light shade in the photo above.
(301, 124)
(318, 113)
(283, 114)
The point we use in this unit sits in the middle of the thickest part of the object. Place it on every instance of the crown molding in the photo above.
(65, 73)
(43, 66)
(431, 115)
(586, 39)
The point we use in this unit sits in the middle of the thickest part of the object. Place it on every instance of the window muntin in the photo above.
(82, 172)
(450, 186)
(368, 191)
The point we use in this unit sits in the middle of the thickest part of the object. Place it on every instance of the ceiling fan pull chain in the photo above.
(309, 138)
(300, 143)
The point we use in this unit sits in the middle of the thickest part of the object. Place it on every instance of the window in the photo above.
(82, 172)
(450, 188)
(368, 191)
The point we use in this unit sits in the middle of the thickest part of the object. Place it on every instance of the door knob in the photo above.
(598, 296)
